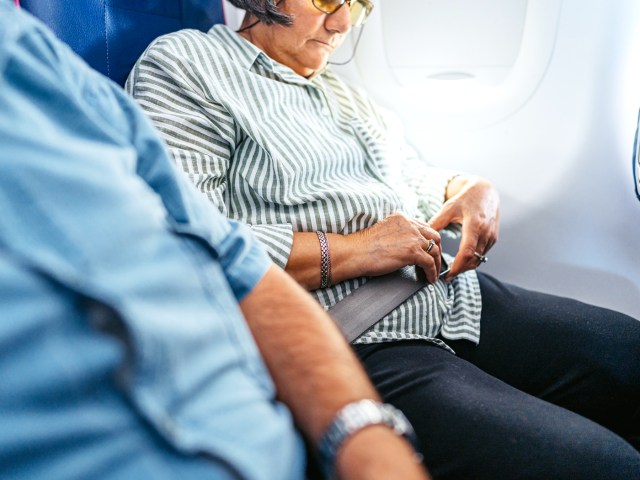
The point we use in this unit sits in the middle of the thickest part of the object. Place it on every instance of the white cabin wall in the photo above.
(559, 151)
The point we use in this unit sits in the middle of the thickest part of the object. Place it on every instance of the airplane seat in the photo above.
(111, 34)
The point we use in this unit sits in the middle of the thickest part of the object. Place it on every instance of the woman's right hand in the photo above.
(393, 243)
(390, 244)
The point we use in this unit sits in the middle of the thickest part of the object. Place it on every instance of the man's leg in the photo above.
(581, 357)
(474, 426)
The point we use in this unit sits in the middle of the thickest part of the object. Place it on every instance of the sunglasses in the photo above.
(358, 9)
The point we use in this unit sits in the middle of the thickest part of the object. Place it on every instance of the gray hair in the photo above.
(266, 11)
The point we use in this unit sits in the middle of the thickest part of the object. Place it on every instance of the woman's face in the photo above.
(305, 45)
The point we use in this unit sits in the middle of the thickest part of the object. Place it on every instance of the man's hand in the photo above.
(473, 202)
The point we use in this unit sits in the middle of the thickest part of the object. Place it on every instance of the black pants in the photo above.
(551, 392)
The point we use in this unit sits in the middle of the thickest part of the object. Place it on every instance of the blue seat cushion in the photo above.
(111, 34)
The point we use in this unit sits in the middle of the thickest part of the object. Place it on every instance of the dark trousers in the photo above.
(551, 392)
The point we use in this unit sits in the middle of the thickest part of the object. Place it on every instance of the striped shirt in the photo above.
(287, 154)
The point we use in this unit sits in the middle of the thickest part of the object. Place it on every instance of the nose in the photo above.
(340, 20)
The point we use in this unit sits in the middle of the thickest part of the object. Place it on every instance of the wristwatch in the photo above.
(354, 417)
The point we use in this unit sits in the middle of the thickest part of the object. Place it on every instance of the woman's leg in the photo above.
(581, 357)
(474, 426)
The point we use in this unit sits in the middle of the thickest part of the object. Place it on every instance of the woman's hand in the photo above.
(390, 244)
(393, 243)
(473, 202)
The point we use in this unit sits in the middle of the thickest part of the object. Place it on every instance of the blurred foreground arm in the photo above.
(316, 374)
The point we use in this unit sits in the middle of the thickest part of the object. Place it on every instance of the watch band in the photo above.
(354, 417)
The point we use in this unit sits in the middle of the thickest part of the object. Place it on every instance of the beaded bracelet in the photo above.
(325, 260)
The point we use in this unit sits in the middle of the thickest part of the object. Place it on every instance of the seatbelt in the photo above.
(356, 313)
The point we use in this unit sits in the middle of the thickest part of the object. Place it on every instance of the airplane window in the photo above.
(459, 39)
(458, 56)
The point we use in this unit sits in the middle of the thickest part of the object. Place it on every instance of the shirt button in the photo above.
(430, 287)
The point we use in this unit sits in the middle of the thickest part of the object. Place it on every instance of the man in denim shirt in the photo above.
(124, 352)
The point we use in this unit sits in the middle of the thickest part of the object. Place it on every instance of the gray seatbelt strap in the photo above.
(356, 313)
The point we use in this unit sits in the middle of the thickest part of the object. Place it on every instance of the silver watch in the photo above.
(354, 417)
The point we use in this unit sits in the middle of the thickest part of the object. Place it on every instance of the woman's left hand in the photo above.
(473, 202)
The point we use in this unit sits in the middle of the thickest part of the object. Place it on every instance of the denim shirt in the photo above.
(123, 352)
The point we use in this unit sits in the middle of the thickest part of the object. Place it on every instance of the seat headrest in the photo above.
(111, 34)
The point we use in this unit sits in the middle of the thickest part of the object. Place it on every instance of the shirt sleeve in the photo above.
(242, 258)
(94, 135)
(201, 135)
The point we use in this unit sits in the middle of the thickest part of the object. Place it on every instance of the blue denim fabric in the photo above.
(123, 353)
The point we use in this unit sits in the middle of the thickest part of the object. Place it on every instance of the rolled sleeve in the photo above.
(277, 239)
(243, 259)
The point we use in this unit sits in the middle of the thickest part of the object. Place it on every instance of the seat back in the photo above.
(111, 34)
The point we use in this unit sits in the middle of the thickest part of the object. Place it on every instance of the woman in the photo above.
(538, 386)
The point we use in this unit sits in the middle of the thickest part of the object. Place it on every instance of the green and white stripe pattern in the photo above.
(287, 154)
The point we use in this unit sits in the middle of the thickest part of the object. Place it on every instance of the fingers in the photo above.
(476, 242)
(435, 254)
(464, 259)
(431, 262)
(398, 241)
(429, 255)
(444, 217)
(487, 237)
(475, 205)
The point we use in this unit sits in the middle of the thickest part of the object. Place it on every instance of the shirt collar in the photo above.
(243, 51)
(249, 55)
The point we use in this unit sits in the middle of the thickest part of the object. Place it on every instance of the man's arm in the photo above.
(316, 374)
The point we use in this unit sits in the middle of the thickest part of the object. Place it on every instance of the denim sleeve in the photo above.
(240, 254)
(243, 258)
(116, 274)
